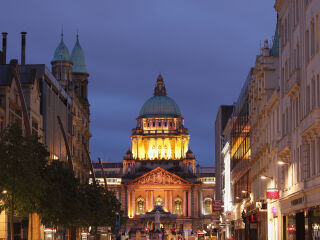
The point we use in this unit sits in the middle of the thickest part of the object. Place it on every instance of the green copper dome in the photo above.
(61, 53)
(78, 59)
(160, 105)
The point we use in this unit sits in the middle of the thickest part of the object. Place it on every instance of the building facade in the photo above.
(160, 173)
(47, 97)
(71, 73)
(299, 99)
(264, 122)
(222, 118)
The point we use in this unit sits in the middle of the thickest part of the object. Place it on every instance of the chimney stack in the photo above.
(23, 48)
(4, 47)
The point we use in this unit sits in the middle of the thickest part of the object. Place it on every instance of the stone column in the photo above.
(133, 204)
(304, 159)
(317, 157)
(152, 202)
(201, 203)
(170, 201)
(137, 141)
(129, 202)
(147, 201)
(184, 199)
(312, 157)
(166, 199)
(189, 203)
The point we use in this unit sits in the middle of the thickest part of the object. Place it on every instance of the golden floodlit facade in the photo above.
(159, 174)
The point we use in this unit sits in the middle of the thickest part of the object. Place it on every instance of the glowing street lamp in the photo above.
(263, 177)
(282, 163)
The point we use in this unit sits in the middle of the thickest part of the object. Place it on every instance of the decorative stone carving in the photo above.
(158, 176)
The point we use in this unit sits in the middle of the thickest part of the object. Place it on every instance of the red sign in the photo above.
(217, 206)
(272, 193)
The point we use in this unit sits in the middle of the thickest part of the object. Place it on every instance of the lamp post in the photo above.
(210, 227)
(281, 163)
(263, 177)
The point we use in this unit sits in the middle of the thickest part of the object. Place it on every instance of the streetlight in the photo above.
(280, 162)
(210, 227)
(263, 177)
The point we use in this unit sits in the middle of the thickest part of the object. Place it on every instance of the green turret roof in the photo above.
(78, 59)
(61, 53)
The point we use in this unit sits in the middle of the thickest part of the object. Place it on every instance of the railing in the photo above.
(150, 132)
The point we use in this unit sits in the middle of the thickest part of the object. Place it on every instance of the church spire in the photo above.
(160, 89)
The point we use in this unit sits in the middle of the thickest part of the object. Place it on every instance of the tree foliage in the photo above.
(30, 183)
(61, 203)
(22, 162)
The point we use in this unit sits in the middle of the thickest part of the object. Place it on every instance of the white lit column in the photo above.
(170, 201)
(166, 199)
(152, 202)
(147, 201)
(201, 203)
(129, 202)
(184, 203)
(189, 203)
(133, 204)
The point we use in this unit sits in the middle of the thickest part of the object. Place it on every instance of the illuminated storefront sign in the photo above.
(272, 193)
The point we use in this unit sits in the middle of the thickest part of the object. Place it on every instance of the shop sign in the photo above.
(272, 193)
(229, 215)
(297, 201)
(217, 206)
(291, 228)
(253, 225)
(49, 230)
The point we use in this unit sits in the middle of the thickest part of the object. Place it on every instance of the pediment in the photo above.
(158, 176)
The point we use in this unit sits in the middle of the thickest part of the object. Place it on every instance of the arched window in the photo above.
(159, 201)
(208, 206)
(178, 206)
(140, 206)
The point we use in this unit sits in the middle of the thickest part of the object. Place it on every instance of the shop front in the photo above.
(255, 220)
(239, 229)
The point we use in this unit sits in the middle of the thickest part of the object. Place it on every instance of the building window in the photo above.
(159, 201)
(208, 206)
(178, 206)
(165, 124)
(140, 206)
(159, 124)
(154, 124)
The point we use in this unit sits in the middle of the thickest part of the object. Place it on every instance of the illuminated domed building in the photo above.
(159, 172)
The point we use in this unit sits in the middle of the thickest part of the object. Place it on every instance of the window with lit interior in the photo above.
(207, 206)
(159, 201)
(140, 206)
(178, 206)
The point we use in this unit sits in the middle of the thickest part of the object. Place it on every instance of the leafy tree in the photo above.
(61, 202)
(102, 207)
(22, 162)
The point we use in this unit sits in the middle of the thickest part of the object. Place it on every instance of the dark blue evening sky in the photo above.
(203, 48)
